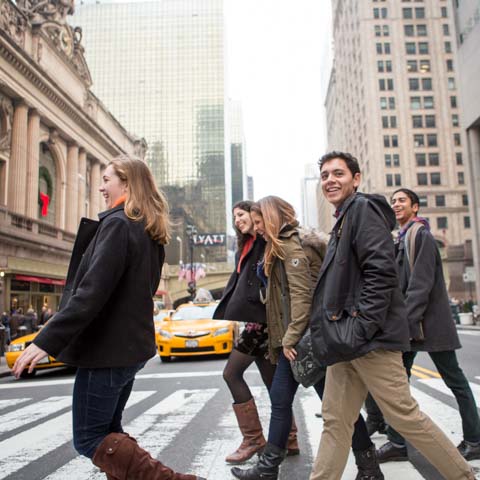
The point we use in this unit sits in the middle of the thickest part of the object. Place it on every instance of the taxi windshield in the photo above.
(194, 313)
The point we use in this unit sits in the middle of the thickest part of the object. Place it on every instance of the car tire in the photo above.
(165, 359)
(26, 374)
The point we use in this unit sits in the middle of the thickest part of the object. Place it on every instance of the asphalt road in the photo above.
(181, 413)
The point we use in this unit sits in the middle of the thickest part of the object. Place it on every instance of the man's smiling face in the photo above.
(338, 183)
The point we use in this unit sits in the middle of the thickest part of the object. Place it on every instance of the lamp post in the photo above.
(180, 250)
(192, 284)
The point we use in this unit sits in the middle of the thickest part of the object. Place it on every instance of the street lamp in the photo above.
(192, 284)
(180, 250)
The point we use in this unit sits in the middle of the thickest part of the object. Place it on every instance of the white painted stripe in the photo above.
(152, 431)
(474, 333)
(439, 385)
(311, 404)
(225, 438)
(18, 451)
(33, 412)
(13, 402)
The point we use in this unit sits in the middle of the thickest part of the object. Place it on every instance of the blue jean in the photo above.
(282, 393)
(99, 398)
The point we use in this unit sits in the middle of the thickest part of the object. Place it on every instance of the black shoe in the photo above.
(469, 451)
(388, 452)
(374, 425)
(367, 463)
(267, 466)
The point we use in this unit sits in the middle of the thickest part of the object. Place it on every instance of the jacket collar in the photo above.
(108, 212)
(344, 207)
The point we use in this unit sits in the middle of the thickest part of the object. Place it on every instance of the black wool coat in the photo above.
(106, 312)
(357, 305)
(241, 297)
(426, 296)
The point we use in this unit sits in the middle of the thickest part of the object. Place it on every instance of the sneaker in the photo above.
(388, 452)
(469, 451)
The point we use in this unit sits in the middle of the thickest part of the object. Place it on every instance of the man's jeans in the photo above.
(282, 394)
(99, 397)
(453, 376)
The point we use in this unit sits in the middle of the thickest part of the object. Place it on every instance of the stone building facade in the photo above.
(55, 139)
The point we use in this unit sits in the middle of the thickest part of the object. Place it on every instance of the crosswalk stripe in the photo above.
(31, 413)
(13, 402)
(439, 385)
(474, 333)
(153, 433)
(225, 438)
(19, 450)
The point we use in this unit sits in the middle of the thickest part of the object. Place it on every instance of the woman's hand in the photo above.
(290, 353)
(31, 355)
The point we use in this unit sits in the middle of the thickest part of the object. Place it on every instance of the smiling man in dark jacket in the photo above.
(359, 328)
(431, 325)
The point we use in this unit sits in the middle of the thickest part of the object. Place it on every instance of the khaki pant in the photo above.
(381, 373)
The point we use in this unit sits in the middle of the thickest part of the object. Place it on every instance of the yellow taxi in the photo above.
(190, 330)
(159, 315)
(18, 345)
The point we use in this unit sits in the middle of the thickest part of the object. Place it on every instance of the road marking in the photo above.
(420, 375)
(153, 429)
(225, 439)
(474, 333)
(439, 385)
(31, 413)
(13, 402)
(432, 373)
(18, 451)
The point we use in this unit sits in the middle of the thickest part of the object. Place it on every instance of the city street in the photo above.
(181, 413)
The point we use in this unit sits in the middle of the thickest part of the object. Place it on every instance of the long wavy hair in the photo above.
(144, 202)
(277, 214)
(245, 205)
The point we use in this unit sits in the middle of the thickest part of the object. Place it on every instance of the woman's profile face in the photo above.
(258, 225)
(112, 188)
(243, 221)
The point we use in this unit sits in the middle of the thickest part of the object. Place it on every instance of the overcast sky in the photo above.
(278, 67)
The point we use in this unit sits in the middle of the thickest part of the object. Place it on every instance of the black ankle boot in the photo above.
(267, 466)
(375, 425)
(367, 463)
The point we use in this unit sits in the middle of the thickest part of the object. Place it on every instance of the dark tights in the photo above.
(233, 372)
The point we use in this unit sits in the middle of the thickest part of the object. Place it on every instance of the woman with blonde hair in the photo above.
(104, 325)
(289, 270)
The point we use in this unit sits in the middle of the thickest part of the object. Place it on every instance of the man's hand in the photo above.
(290, 353)
(31, 355)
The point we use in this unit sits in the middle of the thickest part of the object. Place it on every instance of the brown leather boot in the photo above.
(251, 428)
(121, 458)
(292, 443)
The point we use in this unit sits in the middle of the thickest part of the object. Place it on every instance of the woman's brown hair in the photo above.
(277, 214)
(144, 202)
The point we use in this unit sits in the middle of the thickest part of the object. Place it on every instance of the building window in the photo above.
(448, 47)
(426, 83)
(461, 178)
(386, 48)
(378, 31)
(439, 200)
(451, 83)
(413, 84)
(465, 200)
(435, 178)
(432, 140)
(459, 158)
(449, 64)
(391, 103)
(433, 159)
(442, 223)
(423, 48)
(386, 31)
(422, 179)
(444, 12)
(379, 48)
(420, 12)
(411, 48)
(453, 102)
(389, 179)
(398, 179)
(422, 30)
(415, 103)
(466, 222)
(388, 160)
(423, 201)
(430, 121)
(396, 160)
(455, 121)
(418, 140)
(386, 141)
(409, 30)
(407, 12)
(446, 30)
(421, 159)
(456, 139)
(412, 66)
(394, 141)
(424, 66)
(417, 121)
(428, 103)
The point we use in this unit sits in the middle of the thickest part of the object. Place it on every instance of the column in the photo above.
(82, 178)
(18, 160)
(33, 154)
(71, 206)
(94, 186)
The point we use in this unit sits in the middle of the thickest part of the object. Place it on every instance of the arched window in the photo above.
(47, 174)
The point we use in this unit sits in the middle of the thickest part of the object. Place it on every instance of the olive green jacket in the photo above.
(302, 263)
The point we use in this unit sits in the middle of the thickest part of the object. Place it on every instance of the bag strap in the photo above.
(410, 240)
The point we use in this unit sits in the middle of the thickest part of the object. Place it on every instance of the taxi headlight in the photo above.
(164, 333)
(220, 331)
(16, 347)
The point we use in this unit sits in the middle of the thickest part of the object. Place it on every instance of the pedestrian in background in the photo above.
(359, 328)
(241, 302)
(289, 270)
(432, 328)
(104, 325)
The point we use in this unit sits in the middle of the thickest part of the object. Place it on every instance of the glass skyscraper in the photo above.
(158, 66)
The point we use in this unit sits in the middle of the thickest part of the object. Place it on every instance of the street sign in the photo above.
(469, 275)
(209, 239)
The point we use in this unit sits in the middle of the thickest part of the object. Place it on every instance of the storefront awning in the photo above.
(48, 281)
